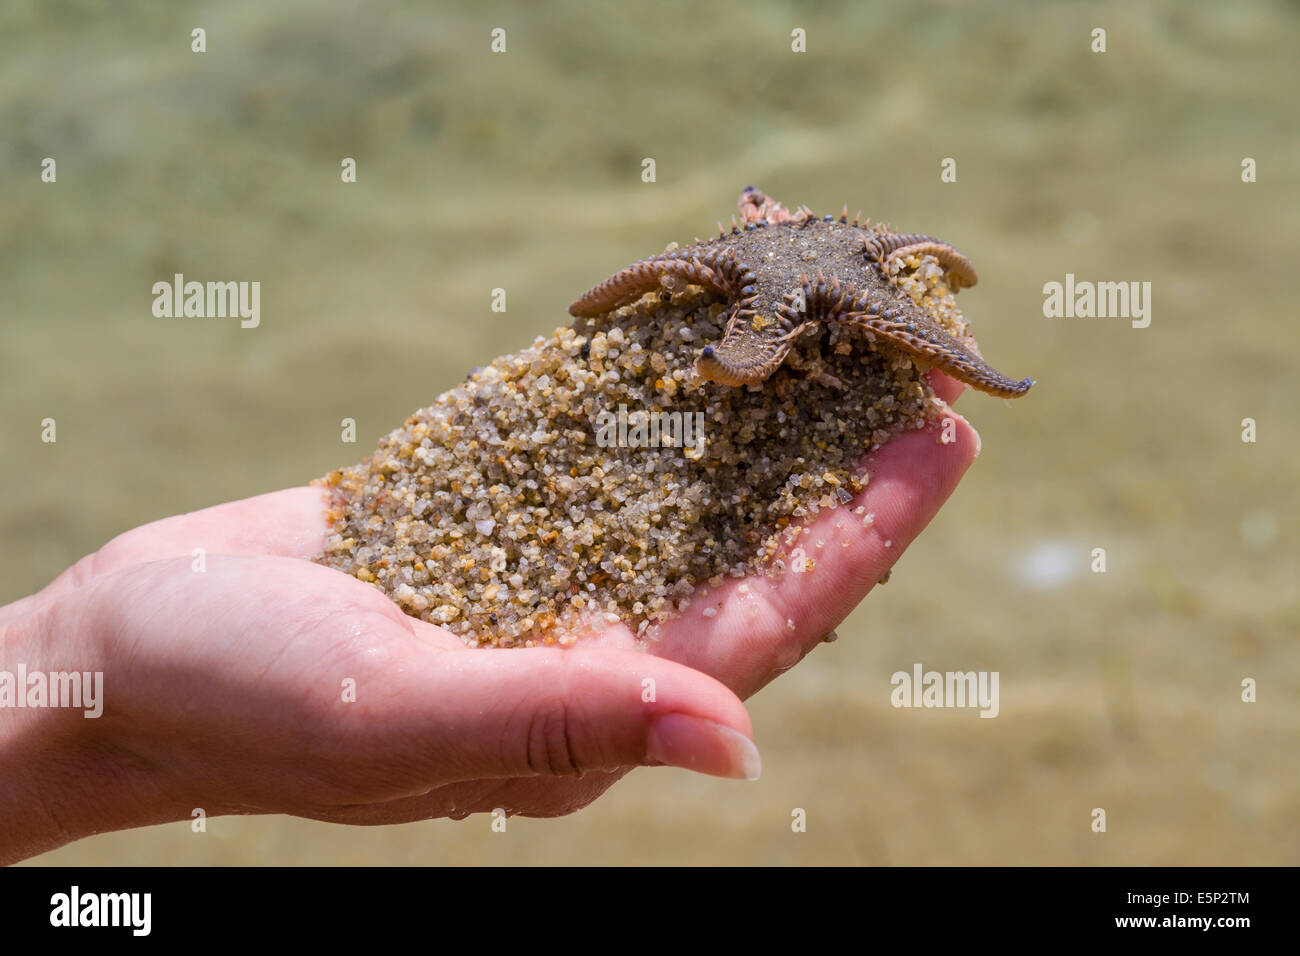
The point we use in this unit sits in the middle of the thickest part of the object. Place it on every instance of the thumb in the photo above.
(567, 711)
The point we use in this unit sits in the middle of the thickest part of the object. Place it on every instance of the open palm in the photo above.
(254, 681)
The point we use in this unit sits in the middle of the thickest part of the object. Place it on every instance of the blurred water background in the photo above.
(522, 170)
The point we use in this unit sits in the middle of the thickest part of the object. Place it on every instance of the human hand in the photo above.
(749, 641)
(224, 687)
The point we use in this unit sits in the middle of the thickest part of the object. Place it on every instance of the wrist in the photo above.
(61, 775)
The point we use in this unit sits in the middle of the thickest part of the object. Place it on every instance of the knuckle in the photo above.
(551, 743)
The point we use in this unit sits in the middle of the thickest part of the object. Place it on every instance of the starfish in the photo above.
(763, 268)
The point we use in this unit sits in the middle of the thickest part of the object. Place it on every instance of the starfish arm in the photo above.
(733, 277)
(756, 206)
(754, 346)
(937, 348)
(743, 361)
(628, 285)
(886, 248)
(907, 329)
(880, 245)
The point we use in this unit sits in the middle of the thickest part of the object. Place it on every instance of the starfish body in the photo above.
(786, 272)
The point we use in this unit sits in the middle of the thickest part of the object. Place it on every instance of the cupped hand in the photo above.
(241, 678)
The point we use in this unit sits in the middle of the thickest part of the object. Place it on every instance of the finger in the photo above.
(538, 796)
(557, 712)
(288, 523)
(764, 624)
(948, 389)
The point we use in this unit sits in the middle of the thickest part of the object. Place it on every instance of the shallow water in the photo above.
(523, 171)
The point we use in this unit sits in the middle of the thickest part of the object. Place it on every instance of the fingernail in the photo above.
(704, 746)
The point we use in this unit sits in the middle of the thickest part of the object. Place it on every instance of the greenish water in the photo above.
(522, 171)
